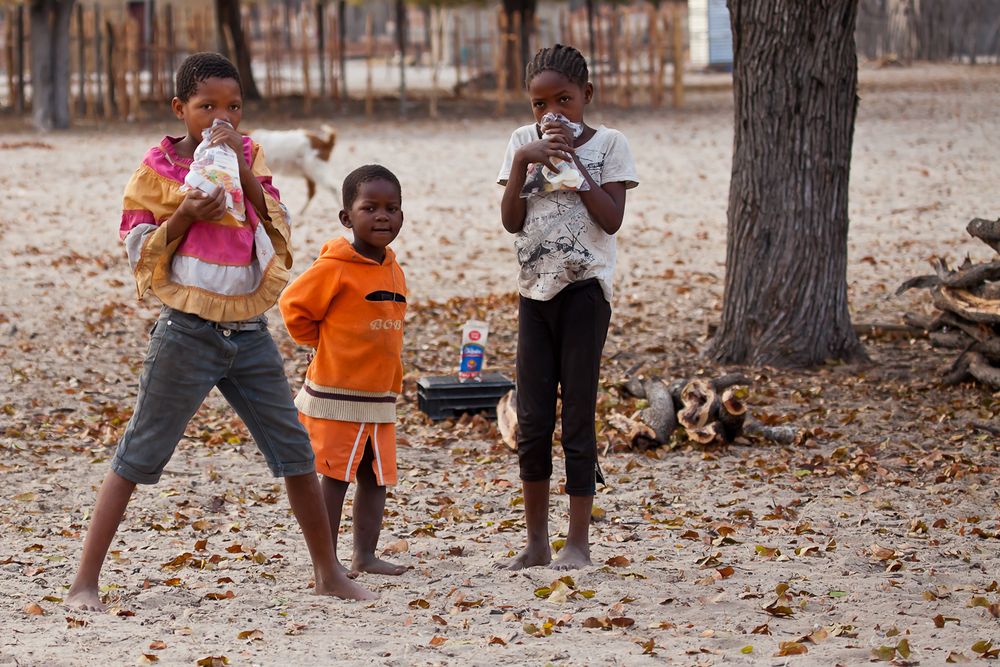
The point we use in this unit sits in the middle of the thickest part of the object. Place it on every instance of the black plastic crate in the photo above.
(444, 397)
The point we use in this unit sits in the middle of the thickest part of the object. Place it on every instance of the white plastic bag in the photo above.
(541, 179)
(216, 165)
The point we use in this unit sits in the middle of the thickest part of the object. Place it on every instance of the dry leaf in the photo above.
(397, 547)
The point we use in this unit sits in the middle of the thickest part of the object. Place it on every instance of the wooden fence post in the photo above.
(21, 103)
(437, 46)
(321, 45)
(99, 107)
(500, 61)
(307, 96)
(678, 44)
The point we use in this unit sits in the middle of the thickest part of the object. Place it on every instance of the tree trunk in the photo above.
(342, 46)
(591, 43)
(230, 28)
(50, 21)
(525, 25)
(795, 91)
(401, 25)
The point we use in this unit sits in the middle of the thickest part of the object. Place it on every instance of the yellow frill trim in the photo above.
(152, 273)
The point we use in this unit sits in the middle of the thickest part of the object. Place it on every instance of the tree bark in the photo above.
(230, 26)
(795, 91)
(526, 25)
(50, 21)
(401, 25)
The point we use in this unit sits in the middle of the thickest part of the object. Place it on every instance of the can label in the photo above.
(473, 357)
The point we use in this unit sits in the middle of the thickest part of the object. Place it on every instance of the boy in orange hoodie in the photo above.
(349, 306)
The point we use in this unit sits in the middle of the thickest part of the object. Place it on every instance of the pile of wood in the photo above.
(968, 304)
(706, 411)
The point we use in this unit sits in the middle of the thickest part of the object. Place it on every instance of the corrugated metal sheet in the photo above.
(720, 36)
(698, 31)
(709, 33)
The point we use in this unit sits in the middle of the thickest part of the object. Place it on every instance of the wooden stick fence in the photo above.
(123, 60)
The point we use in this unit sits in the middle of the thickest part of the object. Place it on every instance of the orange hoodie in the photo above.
(351, 309)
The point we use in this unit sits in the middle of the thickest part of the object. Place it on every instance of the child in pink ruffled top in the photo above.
(216, 276)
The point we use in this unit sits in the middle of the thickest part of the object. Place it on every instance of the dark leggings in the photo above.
(559, 344)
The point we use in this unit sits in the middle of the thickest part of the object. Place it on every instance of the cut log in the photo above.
(697, 397)
(952, 340)
(968, 305)
(918, 282)
(783, 435)
(988, 290)
(732, 412)
(982, 370)
(987, 340)
(973, 364)
(968, 275)
(507, 419)
(660, 415)
(729, 380)
(634, 386)
(987, 231)
(707, 434)
(889, 330)
(675, 388)
(986, 427)
(926, 322)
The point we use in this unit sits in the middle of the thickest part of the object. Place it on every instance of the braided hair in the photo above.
(366, 174)
(562, 59)
(201, 66)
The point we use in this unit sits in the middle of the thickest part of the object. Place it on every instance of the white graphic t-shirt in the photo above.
(560, 243)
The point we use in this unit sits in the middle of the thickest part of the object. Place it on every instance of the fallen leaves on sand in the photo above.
(889, 653)
(791, 648)
(561, 590)
(213, 661)
(985, 650)
(397, 547)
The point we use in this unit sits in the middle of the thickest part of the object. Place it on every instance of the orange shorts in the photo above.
(340, 446)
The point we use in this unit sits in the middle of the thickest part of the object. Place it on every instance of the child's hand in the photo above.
(555, 128)
(224, 133)
(198, 205)
(545, 150)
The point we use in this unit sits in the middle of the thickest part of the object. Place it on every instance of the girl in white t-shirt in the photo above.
(566, 248)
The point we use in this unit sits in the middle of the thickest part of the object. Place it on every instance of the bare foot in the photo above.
(374, 565)
(531, 556)
(84, 599)
(344, 588)
(572, 558)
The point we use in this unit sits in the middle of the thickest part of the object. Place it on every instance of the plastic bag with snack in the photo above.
(566, 176)
(215, 165)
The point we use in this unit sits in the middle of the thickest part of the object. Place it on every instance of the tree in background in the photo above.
(795, 91)
(520, 16)
(50, 21)
(233, 43)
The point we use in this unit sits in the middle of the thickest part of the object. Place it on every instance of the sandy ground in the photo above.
(880, 528)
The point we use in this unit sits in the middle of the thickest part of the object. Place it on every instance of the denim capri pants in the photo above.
(188, 356)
